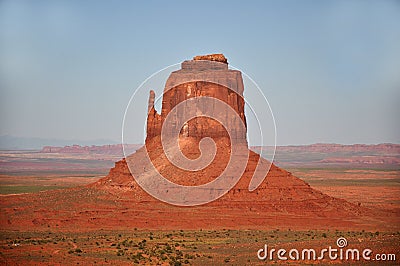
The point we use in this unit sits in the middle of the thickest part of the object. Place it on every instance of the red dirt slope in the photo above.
(117, 202)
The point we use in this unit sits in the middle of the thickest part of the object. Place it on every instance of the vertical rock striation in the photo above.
(204, 76)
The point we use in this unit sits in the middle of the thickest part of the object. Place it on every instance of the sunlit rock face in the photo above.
(204, 76)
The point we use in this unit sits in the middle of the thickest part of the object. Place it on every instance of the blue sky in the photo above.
(330, 69)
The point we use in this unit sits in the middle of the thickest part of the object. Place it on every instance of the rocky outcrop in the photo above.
(204, 76)
(280, 192)
(212, 57)
(153, 119)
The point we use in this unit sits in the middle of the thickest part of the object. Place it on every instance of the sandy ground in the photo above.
(105, 230)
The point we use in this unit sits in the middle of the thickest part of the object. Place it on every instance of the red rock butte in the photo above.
(280, 193)
(203, 76)
(118, 202)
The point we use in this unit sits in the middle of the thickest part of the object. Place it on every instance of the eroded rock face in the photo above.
(207, 76)
(212, 57)
(280, 194)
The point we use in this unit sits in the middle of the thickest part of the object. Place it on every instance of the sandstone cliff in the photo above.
(196, 79)
(279, 193)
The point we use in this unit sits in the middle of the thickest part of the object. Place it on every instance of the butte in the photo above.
(117, 201)
(281, 199)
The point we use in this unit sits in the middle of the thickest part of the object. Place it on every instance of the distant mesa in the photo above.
(383, 148)
(112, 149)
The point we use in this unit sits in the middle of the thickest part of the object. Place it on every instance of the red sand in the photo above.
(117, 202)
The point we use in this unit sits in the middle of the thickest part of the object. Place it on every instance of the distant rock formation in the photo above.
(114, 149)
(365, 160)
(383, 148)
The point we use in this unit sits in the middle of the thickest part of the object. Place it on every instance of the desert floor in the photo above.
(52, 245)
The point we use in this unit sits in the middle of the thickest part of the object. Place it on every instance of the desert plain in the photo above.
(52, 214)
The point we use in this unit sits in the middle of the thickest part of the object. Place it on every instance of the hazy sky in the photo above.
(330, 69)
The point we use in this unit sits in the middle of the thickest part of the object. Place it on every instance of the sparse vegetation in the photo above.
(215, 248)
